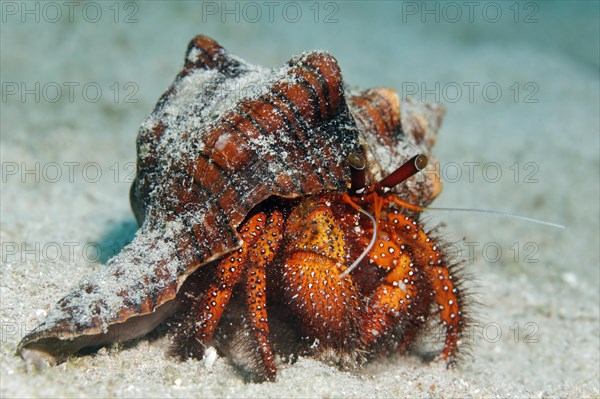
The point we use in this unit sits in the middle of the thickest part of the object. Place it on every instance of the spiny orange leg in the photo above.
(419, 313)
(427, 255)
(394, 297)
(229, 272)
(386, 302)
(262, 253)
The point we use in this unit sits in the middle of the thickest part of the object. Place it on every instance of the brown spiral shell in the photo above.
(224, 137)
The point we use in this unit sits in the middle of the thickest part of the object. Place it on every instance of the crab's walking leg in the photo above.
(446, 294)
(394, 297)
(229, 272)
(261, 253)
(448, 300)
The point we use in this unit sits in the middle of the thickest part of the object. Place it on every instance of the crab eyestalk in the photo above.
(407, 170)
(357, 172)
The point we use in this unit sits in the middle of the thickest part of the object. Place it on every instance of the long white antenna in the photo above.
(500, 213)
(369, 247)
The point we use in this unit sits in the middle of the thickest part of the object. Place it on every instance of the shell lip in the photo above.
(44, 347)
(51, 347)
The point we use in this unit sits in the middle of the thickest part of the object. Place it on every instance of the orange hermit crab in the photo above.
(272, 203)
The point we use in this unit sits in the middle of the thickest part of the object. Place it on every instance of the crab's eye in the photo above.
(357, 171)
(408, 169)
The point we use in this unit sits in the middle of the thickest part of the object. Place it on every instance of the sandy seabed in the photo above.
(538, 333)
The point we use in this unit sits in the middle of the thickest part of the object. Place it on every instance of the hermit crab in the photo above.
(279, 212)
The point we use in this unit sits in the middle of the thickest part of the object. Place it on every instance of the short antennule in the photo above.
(358, 174)
(408, 169)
